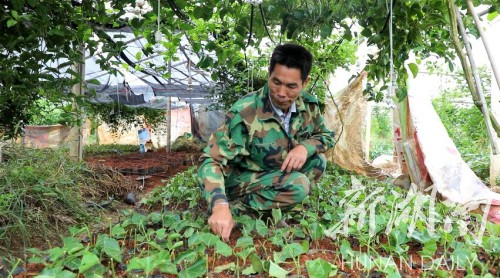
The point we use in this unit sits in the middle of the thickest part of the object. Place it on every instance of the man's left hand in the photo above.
(295, 159)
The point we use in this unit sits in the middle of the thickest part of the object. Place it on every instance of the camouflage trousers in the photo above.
(262, 191)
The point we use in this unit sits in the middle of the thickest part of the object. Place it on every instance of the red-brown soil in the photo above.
(155, 166)
(158, 166)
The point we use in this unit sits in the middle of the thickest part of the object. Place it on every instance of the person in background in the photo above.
(268, 153)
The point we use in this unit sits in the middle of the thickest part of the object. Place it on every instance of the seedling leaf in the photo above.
(195, 270)
(319, 268)
(276, 271)
(112, 249)
(89, 260)
(225, 267)
(223, 249)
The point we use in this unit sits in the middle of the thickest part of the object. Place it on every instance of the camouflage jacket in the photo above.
(254, 139)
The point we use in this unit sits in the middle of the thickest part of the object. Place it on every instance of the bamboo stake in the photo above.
(477, 82)
(470, 8)
(484, 107)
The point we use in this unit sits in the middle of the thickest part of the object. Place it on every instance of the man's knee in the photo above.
(315, 167)
(298, 188)
(319, 162)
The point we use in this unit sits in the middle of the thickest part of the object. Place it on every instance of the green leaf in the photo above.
(318, 268)
(72, 245)
(244, 241)
(195, 270)
(492, 15)
(11, 22)
(210, 45)
(55, 253)
(18, 4)
(14, 14)
(249, 271)
(293, 250)
(205, 62)
(257, 264)
(56, 272)
(188, 256)
(261, 228)
(276, 213)
(243, 254)
(167, 267)
(276, 271)
(138, 55)
(366, 32)
(147, 264)
(209, 239)
(305, 245)
(225, 267)
(112, 248)
(493, 229)
(93, 81)
(441, 273)
(89, 260)
(326, 30)
(387, 266)
(414, 69)
(223, 249)
(345, 249)
(429, 248)
(462, 256)
(135, 264)
(117, 231)
(72, 263)
(366, 261)
(316, 231)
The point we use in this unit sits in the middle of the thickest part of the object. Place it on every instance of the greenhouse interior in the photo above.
(250, 138)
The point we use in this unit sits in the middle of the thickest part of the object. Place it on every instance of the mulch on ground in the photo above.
(151, 168)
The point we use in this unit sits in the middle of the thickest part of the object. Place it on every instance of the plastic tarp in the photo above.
(50, 136)
(206, 121)
(345, 114)
(450, 175)
(180, 124)
(140, 74)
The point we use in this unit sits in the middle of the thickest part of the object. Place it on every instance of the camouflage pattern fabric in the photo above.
(259, 192)
(245, 154)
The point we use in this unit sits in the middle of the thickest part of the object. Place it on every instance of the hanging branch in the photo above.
(177, 11)
(251, 27)
(388, 16)
(264, 22)
(249, 39)
(129, 62)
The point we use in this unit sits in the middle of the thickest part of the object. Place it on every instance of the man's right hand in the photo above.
(221, 221)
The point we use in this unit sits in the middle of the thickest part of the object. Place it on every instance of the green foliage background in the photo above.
(467, 128)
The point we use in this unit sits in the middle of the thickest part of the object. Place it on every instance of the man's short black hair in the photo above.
(292, 56)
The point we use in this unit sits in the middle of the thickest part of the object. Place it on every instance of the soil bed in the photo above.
(156, 167)
(151, 168)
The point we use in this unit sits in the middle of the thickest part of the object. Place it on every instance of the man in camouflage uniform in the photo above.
(267, 154)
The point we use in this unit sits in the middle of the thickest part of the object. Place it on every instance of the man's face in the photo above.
(285, 85)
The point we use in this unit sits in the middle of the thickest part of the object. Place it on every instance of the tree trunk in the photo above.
(75, 133)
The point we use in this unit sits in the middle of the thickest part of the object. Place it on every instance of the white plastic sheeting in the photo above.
(451, 176)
